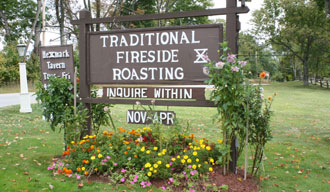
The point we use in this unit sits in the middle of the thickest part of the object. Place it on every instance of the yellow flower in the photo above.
(183, 161)
(185, 157)
(191, 147)
(212, 160)
(194, 153)
(178, 157)
(199, 165)
(168, 165)
(155, 148)
(142, 149)
(190, 144)
(147, 165)
(93, 157)
(159, 162)
(203, 146)
(201, 141)
(155, 166)
(197, 160)
(219, 141)
(189, 160)
(173, 159)
(270, 98)
(155, 171)
(164, 151)
(96, 169)
(83, 168)
(210, 169)
(100, 156)
(151, 169)
(194, 166)
(148, 151)
(149, 174)
(159, 154)
(206, 162)
(208, 148)
(72, 142)
(195, 148)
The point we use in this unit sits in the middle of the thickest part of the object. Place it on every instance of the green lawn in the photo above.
(298, 157)
(15, 88)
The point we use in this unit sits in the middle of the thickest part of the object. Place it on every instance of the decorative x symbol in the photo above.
(200, 55)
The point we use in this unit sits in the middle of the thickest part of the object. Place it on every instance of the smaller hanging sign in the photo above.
(148, 117)
(56, 61)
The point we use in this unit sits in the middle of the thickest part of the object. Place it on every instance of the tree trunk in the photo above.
(98, 13)
(37, 39)
(306, 72)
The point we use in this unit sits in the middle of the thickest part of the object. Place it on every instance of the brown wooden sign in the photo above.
(180, 93)
(169, 55)
(147, 117)
(56, 61)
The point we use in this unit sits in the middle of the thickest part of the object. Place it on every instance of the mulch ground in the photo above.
(235, 182)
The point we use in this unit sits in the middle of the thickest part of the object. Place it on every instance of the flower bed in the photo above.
(139, 156)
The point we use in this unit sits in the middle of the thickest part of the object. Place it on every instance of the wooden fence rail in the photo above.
(322, 83)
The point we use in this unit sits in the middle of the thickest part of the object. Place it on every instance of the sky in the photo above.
(244, 19)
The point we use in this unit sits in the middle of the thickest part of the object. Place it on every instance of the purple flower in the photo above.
(115, 164)
(105, 108)
(262, 96)
(242, 63)
(122, 179)
(191, 190)
(184, 173)
(170, 180)
(219, 65)
(189, 166)
(163, 187)
(231, 58)
(170, 163)
(206, 58)
(235, 69)
(70, 175)
(148, 184)
(108, 157)
(173, 169)
(206, 70)
(192, 173)
(123, 171)
(78, 177)
(102, 163)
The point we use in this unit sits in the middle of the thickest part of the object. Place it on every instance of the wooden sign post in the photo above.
(152, 56)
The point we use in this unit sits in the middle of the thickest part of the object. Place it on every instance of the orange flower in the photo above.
(135, 156)
(121, 130)
(78, 169)
(126, 142)
(78, 80)
(262, 75)
(86, 173)
(86, 161)
(92, 146)
(270, 98)
(128, 148)
(83, 161)
(73, 150)
(126, 152)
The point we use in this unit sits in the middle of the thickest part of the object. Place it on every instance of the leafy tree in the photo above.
(16, 17)
(295, 26)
